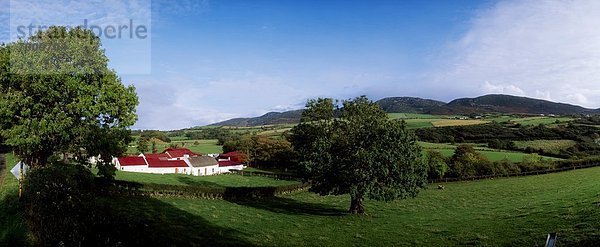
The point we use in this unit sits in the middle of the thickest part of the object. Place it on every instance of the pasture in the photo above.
(224, 180)
(197, 146)
(457, 122)
(491, 154)
(13, 231)
(465, 213)
(552, 146)
(541, 120)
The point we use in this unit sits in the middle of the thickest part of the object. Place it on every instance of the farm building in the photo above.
(177, 161)
(204, 165)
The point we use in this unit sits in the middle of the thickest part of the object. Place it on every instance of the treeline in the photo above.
(590, 120)
(502, 137)
(221, 135)
(262, 151)
(466, 163)
(150, 134)
(485, 132)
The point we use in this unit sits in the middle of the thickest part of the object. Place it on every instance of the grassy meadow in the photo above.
(541, 120)
(228, 180)
(552, 146)
(197, 146)
(13, 231)
(447, 150)
(465, 213)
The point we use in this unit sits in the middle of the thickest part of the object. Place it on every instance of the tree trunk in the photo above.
(356, 206)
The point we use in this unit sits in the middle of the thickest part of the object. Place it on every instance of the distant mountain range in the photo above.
(493, 103)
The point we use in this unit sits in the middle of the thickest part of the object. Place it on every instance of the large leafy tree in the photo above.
(58, 97)
(361, 153)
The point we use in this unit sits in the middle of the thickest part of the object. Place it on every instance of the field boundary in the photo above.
(521, 174)
(277, 176)
(119, 187)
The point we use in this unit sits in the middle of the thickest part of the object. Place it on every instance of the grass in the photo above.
(492, 154)
(552, 146)
(411, 116)
(203, 146)
(13, 231)
(541, 120)
(225, 180)
(457, 122)
(502, 212)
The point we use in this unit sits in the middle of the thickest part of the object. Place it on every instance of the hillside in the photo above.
(267, 119)
(509, 104)
(493, 103)
(409, 104)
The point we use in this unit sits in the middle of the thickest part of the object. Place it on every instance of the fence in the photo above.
(540, 172)
(277, 176)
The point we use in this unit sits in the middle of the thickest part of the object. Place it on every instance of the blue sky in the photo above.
(213, 60)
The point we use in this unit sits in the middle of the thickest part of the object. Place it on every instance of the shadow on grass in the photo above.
(143, 221)
(194, 182)
(13, 231)
(291, 207)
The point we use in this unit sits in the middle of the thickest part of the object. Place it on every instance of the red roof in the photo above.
(232, 154)
(228, 163)
(166, 163)
(132, 161)
(179, 152)
(157, 156)
(235, 156)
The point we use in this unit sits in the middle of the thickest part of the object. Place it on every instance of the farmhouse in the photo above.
(176, 161)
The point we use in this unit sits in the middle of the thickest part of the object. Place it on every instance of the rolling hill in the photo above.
(493, 103)
(409, 104)
(509, 104)
(267, 119)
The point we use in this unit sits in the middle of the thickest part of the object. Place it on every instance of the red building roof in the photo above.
(232, 154)
(132, 161)
(162, 156)
(228, 163)
(179, 152)
(156, 163)
(235, 156)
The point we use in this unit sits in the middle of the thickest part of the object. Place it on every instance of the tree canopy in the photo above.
(361, 153)
(58, 97)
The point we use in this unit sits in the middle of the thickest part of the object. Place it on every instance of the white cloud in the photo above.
(535, 48)
(181, 102)
(487, 87)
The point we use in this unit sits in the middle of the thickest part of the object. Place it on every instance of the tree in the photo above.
(318, 109)
(261, 151)
(436, 164)
(58, 96)
(361, 153)
(466, 162)
(142, 146)
(154, 148)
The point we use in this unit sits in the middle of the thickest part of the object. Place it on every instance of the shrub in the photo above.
(436, 164)
(58, 203)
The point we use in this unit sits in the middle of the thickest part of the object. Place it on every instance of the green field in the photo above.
(492, 154)
(225, 180)
(501, 212)
(552, 146)
(12, 228)
(412, 116)
(541, 120)
(203, 147)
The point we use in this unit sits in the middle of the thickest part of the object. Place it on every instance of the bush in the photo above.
(58, 202)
